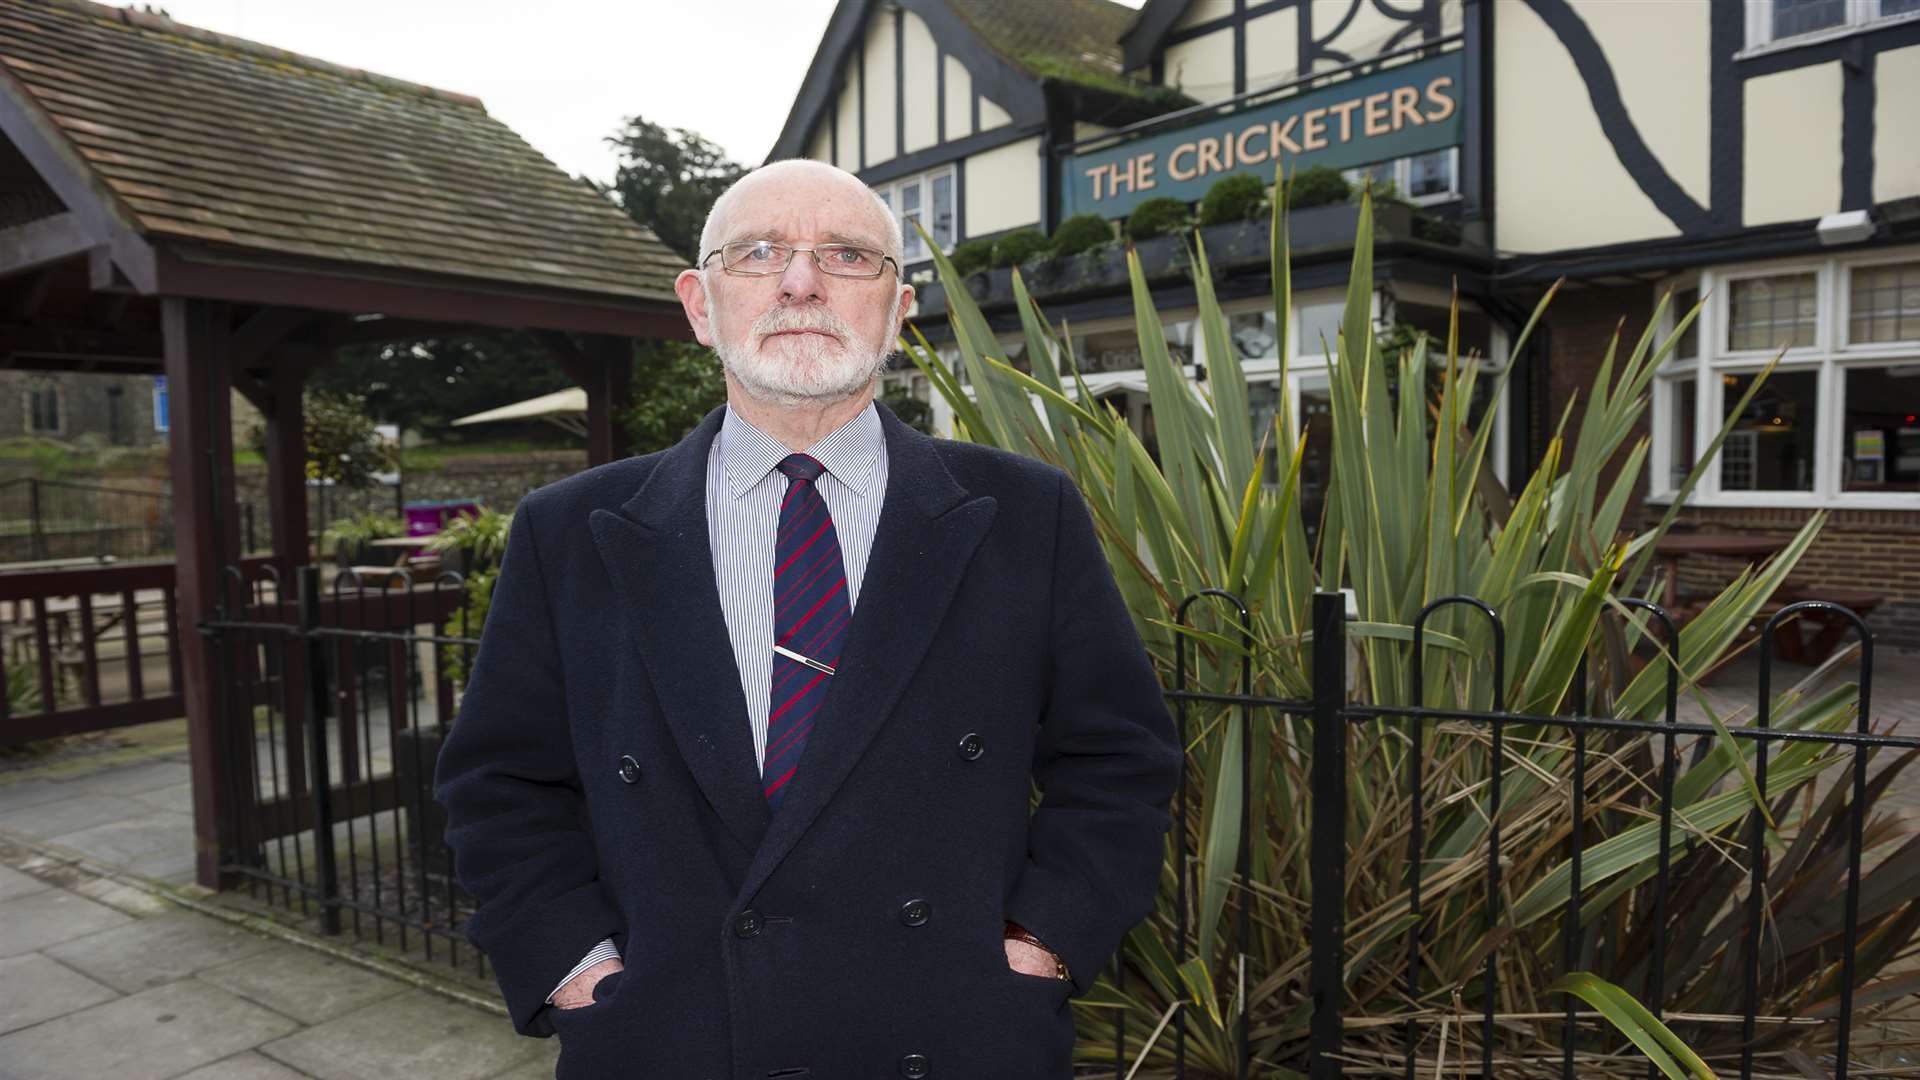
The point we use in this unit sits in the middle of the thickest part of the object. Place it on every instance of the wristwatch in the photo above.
(1020, 933)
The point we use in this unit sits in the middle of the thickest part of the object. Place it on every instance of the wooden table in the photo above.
(1673, 547)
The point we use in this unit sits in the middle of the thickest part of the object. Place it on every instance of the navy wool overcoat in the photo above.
(600, 781)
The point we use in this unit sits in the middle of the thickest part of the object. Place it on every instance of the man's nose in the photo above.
(802, 280)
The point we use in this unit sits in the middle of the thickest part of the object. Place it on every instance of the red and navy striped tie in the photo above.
(809, 618)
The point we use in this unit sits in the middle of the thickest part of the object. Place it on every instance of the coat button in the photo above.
(971, 746)
(914, 1066)
(746, 924)
(915, 912)
(629, 769)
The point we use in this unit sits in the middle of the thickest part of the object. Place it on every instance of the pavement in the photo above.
(113, 964)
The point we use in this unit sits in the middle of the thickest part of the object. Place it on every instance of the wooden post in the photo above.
(608, 380)
(287, 469)
(206, 538)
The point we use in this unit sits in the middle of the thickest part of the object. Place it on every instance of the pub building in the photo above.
(1762, 155)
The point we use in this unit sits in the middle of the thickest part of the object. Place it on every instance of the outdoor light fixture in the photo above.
(1845, 227)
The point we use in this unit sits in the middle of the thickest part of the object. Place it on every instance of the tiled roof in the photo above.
(1074, 40)
(227, 143)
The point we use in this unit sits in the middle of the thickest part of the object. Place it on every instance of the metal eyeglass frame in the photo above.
(792, 251)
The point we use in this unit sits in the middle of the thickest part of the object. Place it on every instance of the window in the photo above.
(1423, 178)
(1770, 21)
(44, 408)
(1837, 423)
(926, 201)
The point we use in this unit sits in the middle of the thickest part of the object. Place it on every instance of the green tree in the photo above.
(675, 383)
(342, 445)
(667, 180)
(425, 384)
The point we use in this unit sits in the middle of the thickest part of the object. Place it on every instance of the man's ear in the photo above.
(906, 303)
(693, 300)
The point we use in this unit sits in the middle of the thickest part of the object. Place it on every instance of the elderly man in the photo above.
(741, 782)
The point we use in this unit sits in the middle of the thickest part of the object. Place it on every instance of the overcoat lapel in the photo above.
(928, 529)
(660, 559)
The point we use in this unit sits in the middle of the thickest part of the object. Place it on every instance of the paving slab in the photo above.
(19, 793)
(178, 798)
(123, 843)
(309, 986)
(158, 950)
(83, 811)
(14, 883)
(247, 1066)
(542, 1067)
(49, 917)
(406, 1037)
(152, 1035)
(34, 988)
(133, 779)
(123, 898)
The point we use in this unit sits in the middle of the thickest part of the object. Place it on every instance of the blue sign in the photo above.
(1392, 113)
(161, 420)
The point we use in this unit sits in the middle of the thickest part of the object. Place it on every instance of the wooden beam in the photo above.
(85, 362)
(610, 395)
(255, 391)
(206, 532)
(264, 329)
(48, 240)
(29, 294)
(357, 290)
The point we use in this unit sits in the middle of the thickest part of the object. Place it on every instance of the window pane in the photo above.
(1792, 17)
(1886, 303)
(1431, 174)
(1688, 347)
(1898, 7)
(1263, 406)
(1881, 447)
(1316, 459)
(911, 245)
(1684, 395)
(942, 210)
(1318, 323)
(1771, 445)
(1770, 312)
(1252, 333)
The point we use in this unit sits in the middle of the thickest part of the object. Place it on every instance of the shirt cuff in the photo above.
(603, 951)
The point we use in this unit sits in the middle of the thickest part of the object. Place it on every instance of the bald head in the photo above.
(804, 181)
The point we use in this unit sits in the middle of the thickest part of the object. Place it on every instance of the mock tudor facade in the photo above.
(1757, 154)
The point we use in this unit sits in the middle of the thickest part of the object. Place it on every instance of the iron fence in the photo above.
(339, 699)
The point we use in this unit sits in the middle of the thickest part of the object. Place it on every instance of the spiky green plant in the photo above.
(1414, 513)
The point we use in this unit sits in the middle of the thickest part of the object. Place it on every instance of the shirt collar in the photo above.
(850, 452)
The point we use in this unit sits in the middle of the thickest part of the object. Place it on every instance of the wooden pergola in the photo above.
(229, 214)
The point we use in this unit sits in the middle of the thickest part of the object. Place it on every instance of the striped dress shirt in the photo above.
(744, 492)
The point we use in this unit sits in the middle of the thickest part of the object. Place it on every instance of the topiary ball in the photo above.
(1240, 197)
(1081, 232)
(1019, 246)
(1317, 185)
(1157, 217)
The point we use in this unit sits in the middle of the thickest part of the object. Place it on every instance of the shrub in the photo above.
(1157, 217)
(1240, 197)
(1081, 232)
(972, 256)
(1317, 185)
(1019, 246)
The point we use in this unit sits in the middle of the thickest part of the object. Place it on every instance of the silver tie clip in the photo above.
(807, 660)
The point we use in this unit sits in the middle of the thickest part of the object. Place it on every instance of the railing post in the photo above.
(1327, 860)
(317, 709)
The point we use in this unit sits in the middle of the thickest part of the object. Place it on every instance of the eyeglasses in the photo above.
(758, 257)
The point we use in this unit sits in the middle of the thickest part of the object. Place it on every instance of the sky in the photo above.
(564, 74)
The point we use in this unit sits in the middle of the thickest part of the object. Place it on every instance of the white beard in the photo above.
(795, 369)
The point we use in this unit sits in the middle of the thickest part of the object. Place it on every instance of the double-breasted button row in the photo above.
(629, 769)
(971, 746)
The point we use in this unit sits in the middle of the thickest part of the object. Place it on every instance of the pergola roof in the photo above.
(228, 152)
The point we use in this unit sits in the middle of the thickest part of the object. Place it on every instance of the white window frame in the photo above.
(1861, 16)
(1831, 357)
(892, 192)
(1403, 178)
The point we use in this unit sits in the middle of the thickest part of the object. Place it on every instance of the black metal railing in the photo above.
(336, 733)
